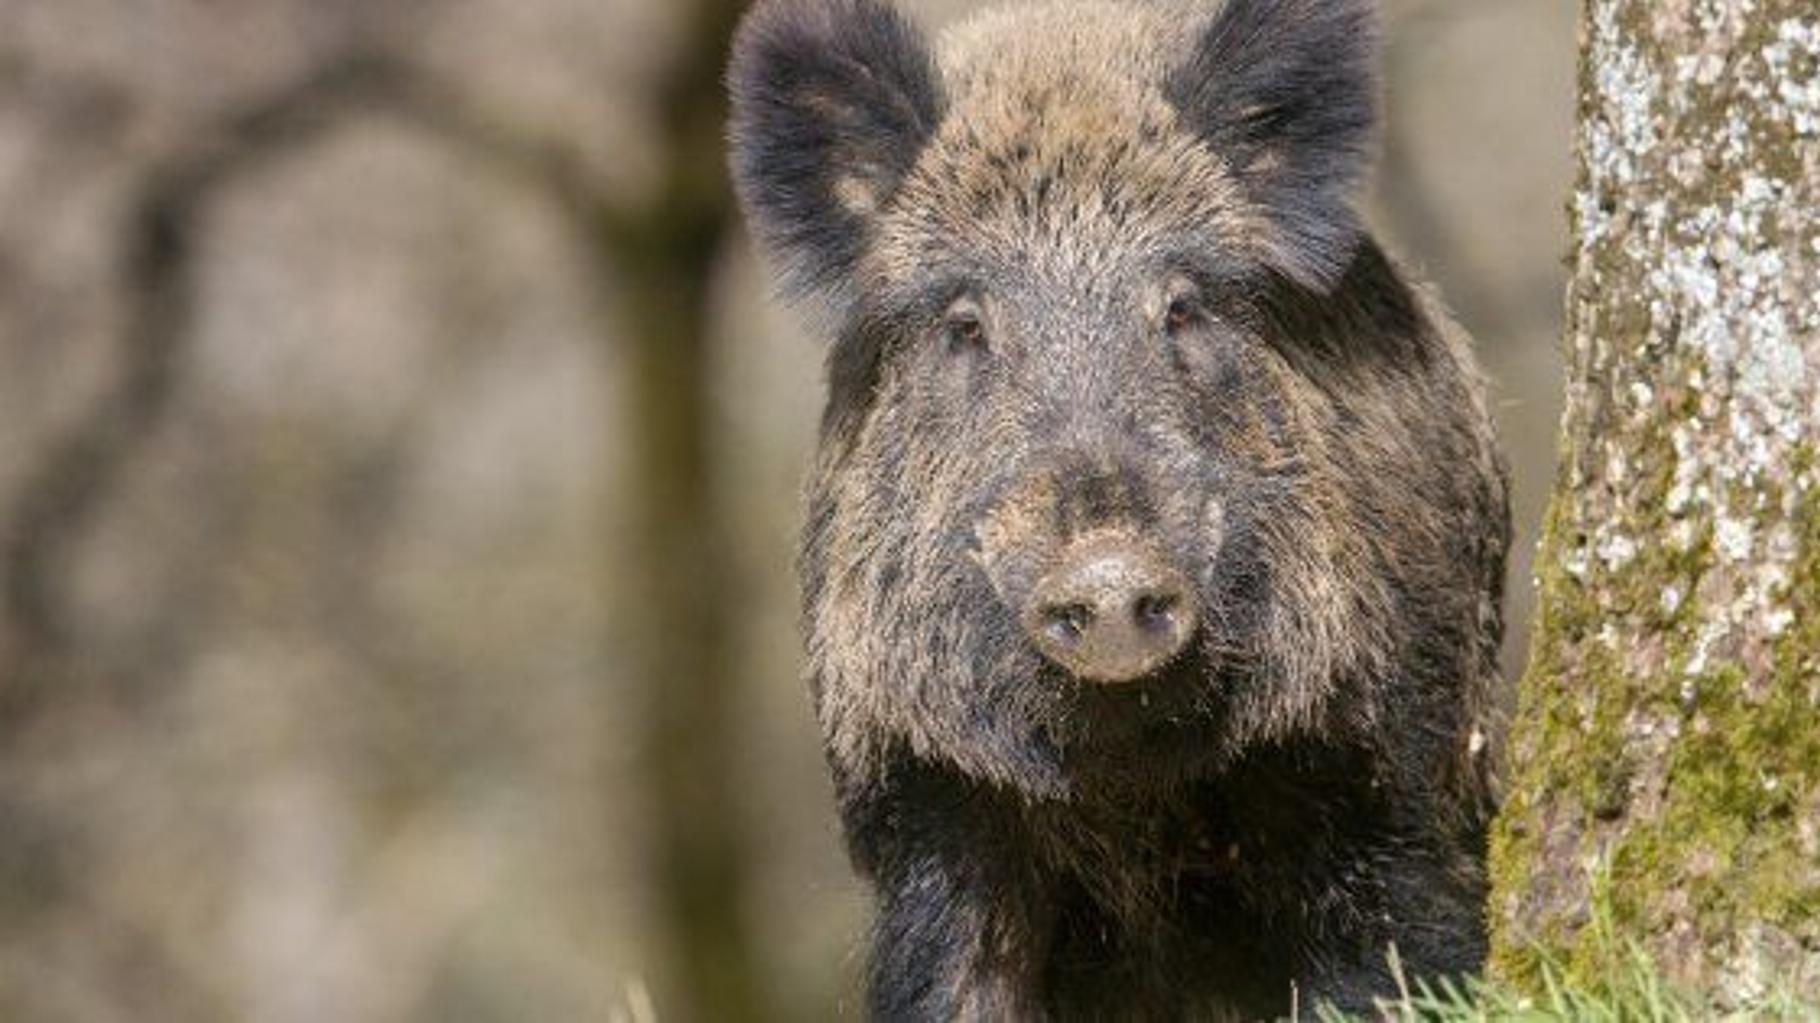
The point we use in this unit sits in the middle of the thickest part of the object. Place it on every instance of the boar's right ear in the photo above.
(832, 102)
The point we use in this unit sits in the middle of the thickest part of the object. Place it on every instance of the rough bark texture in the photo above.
(1666, 747)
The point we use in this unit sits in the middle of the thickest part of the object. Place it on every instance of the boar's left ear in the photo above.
(832, 102)
(1286, 92)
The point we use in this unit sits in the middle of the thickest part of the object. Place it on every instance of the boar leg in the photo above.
(963, 926)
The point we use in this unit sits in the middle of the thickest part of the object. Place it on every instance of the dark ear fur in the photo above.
(832, 102)
(1287, 92)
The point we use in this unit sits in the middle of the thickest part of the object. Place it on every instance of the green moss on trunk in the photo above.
(1667, 733)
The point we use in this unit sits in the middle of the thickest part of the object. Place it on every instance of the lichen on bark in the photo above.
(1667, 730)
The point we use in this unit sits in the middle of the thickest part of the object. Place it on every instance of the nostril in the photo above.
(1155, 612)
(1067, 623)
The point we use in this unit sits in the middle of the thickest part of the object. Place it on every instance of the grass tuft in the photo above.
(1626, 986)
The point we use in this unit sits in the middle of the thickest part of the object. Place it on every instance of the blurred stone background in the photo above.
(335, 676)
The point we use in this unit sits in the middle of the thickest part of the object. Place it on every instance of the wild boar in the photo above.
(1156, 537)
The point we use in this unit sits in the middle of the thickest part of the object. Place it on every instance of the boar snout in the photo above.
(1111, 610)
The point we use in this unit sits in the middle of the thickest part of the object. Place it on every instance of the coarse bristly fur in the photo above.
(1095, 273)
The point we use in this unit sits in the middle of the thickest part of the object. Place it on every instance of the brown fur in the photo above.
(1308, 442)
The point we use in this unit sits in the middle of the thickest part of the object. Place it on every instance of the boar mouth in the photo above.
(1180, 701)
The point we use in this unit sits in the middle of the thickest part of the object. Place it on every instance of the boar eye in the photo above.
(963, 328)
(1180, 317)
(1183, 309)
(1184, 313)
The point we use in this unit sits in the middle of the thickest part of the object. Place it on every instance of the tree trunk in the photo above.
(1665, 754)
(683, 619)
